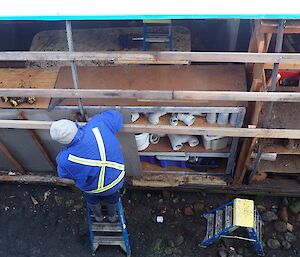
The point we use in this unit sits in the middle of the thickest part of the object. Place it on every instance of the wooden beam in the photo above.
(286, 187)
(291, 27)
(38, 142)
(4, 150)
(237, 96)
(37, 179)
(282, 187)
(154, 94)
(269, 66)
(153, 57)
(88, 93)
(168, 129)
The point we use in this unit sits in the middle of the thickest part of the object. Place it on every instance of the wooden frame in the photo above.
(116, 57)
(154, 94)
(181, 130)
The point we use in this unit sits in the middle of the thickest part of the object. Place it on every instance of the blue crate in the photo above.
(150, 159)
(166, 163)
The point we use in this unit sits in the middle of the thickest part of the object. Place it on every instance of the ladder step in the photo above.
(108, 240)
(219, 221)
(228, 216)
(210, 225)
(106, 227)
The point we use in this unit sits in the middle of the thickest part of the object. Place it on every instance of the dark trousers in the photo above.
(97, 198)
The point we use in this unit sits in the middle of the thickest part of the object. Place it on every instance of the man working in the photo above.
(93, 159)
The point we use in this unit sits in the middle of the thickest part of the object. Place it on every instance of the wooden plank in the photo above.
(284, 164)
(4, 150)
(282, 187)
(152, 57)
(279, 147)
(291, 27)
(155, 94)
(223, 131)
(239, 96)
(162, 179)
(28, 78)
(37, 179)
(168, 129)
(152, 77)
(269, 66)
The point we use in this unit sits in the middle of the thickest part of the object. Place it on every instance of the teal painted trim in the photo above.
(162, 16)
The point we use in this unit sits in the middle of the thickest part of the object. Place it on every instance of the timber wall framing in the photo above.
(257, 61)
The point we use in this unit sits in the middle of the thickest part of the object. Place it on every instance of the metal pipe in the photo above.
(269, 105)
(73, 65)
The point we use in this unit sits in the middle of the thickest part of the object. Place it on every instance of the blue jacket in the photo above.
(85, 146)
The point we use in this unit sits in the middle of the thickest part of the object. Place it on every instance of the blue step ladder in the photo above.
(105, 233)
(157, 38)
(223, 220)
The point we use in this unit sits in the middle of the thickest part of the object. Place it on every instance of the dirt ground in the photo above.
(37, 221)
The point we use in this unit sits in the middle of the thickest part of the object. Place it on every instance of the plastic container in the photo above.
(177, 161)
(150, 159)
(211, 118)
(233, 119)
(214, 143)
(223, 118)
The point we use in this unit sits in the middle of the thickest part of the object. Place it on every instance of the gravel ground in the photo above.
(39, 221)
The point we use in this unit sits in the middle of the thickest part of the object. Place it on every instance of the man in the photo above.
(93, 159)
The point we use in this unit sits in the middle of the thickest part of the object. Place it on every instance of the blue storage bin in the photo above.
(166, 163)
(150, 159)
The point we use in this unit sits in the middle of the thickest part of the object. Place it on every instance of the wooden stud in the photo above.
(116, 57)
(168, 129)
(37, 179)
(37, 140)
(4, 150)
(154, 94)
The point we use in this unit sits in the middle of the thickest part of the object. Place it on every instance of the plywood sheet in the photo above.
(106, 39)
(28, 78)
(284, 164)
(163, 77)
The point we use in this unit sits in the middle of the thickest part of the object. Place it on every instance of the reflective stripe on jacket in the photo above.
(94, 159)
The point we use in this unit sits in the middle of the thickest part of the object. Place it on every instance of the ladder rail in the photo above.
(124, 228)
(91, 230)
(220, 224)
(103, 233)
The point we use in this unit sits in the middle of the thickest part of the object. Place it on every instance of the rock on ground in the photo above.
(280, 226)
(269, 216)
(273, 243)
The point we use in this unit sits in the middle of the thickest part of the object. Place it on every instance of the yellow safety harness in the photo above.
(103, 163)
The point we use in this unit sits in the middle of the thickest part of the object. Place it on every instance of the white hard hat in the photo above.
(63, 131)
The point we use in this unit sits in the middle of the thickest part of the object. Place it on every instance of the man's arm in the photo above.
(63, 173)
(61, 170)
(113, 119)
